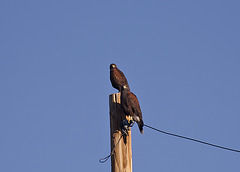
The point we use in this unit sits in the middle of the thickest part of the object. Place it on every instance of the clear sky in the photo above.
(181, 59)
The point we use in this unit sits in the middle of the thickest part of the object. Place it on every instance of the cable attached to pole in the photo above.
(125, 125)
(102, 160)
(195, 140)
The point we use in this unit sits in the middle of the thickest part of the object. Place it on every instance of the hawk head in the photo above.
(113, 66)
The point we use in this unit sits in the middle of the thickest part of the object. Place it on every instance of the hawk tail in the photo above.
(140, 126)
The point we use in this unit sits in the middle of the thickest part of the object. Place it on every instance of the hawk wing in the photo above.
(130, 106)
(136, 111)
(118, 79)
(134, 104)
(126, 104)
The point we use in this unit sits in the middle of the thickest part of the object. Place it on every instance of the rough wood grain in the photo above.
(122, 158)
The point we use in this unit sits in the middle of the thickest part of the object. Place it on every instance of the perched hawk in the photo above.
(117, 78)
(131, 106)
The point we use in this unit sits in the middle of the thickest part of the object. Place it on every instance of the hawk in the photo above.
(117, 78)
(131, 107)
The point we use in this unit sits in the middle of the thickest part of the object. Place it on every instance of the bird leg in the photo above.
(124, 127)
(130, 120)
(125, 124)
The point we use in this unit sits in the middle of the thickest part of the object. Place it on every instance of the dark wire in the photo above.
(188, 138)
(102, 160)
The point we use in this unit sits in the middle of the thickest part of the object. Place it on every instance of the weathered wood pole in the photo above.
(121, 160)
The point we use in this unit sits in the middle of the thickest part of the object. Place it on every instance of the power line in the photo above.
(102, 160)
(188, 138)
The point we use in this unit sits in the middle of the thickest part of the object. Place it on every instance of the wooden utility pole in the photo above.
(121, 160)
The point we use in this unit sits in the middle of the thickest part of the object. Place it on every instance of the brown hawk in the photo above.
(117, 78)
(131, 107)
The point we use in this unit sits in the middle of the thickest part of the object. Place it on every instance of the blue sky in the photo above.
(181, 59)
